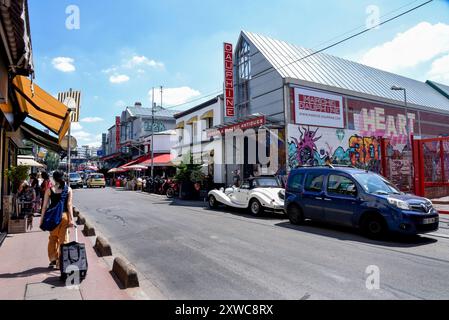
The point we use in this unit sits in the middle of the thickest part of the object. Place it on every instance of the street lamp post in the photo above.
(407, 128)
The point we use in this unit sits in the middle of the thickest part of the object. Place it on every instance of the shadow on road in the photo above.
(350, 234)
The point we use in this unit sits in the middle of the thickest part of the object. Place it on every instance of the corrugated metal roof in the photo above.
(335, 72)
(146, 112)
(441, 88)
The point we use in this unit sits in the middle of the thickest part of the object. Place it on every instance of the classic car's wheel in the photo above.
(295, 214)
(255, 207)
(213, 203)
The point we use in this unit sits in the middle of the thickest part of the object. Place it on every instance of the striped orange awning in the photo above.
(41, 106)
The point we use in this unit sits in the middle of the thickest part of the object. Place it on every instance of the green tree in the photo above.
(188, 171)
(52, 160)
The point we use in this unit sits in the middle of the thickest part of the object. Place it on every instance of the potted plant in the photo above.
(189, 178)
(16, 176)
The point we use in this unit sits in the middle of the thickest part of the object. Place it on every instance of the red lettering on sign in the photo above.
(229, 79)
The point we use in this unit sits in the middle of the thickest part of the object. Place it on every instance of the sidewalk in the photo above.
(24, 274)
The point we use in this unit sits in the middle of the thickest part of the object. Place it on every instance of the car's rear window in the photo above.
(97, 176)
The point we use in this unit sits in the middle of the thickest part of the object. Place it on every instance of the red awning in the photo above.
(160, 160)
(110, 157)
(136, 161)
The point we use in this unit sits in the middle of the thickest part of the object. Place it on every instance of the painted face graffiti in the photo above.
(306, 146)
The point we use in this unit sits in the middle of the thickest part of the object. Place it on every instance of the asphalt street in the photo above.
(187, 251)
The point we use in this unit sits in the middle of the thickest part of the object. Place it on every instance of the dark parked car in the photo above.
(356, 198)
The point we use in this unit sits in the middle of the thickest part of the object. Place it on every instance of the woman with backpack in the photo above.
(53, 198)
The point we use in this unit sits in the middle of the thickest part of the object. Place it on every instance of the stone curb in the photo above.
(88, 230)
(125, 273)
(103, 247)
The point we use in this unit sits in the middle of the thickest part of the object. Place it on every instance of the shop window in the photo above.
(314, 183)
(342, 186)
(243, 78)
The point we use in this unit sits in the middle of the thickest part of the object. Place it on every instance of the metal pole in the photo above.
(152, 135)
(409, 149)
(69, 151)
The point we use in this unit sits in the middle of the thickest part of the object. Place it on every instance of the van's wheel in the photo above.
(373, 226)
(213, 203)
(295, 215)
(255, 207)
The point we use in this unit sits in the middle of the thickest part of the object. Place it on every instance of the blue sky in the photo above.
(123, 48)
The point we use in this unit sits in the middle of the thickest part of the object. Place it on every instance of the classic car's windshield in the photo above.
(373, 183)
(74, 176)
(266, 183)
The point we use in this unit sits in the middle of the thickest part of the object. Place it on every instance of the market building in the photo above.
(332, 110)
(129, 140)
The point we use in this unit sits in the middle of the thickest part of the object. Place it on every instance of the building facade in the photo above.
(192, 128)
(328, 109)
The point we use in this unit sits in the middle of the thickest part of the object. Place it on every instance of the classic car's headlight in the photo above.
(399, 203)
(281, 194)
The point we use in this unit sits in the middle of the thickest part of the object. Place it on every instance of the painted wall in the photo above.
(314, 146)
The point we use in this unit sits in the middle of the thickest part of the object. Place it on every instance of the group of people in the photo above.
(40, 193)
(31, 195)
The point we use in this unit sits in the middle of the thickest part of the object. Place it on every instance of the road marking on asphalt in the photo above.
(440, 235)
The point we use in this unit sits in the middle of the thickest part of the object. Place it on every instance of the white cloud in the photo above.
(419, 44)
(82, 135)
(440, 70)
(142, 61)
(76, 126)
(110, 70)
(92, 119)
(174, 96)
(120, 104)
(64, 64)
(118, 78)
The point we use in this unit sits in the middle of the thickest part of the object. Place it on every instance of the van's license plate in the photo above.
(430, 221)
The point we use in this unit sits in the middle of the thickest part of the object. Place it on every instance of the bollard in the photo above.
(88, 230)
(103, 248)
(125, 273)
(81, 220)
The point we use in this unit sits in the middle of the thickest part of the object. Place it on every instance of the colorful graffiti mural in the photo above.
(318, 146)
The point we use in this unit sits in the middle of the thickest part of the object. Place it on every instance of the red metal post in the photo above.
(383, 156)
(443, 174)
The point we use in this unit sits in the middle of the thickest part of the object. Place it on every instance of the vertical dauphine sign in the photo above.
(229, 79)
(117, 133)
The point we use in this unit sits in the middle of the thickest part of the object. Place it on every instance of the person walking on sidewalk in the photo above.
(59, 235)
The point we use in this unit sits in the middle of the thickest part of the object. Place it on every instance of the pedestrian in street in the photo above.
(59, 235)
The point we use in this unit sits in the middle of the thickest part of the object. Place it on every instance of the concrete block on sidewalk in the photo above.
(81, 220)
(88, 230)
(125, 273)
(103, 247)
(76, 212)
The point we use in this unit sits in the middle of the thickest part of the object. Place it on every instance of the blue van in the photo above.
(356, 198)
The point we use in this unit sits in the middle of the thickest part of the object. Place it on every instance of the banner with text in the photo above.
(318, 108)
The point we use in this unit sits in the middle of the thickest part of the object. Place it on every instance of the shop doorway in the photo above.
(431, 166)
(397, 166)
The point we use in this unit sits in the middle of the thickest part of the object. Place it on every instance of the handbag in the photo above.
(53, 216)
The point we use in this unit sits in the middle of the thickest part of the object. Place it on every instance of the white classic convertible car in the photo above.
(256, 194)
